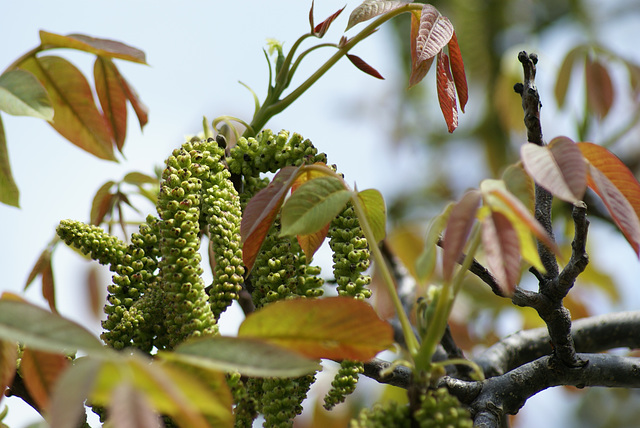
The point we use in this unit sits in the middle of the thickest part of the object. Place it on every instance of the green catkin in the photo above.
(440, 409)
(281, 400)
(92, 241)
(246, 406)
(390, 414)
(344, 383)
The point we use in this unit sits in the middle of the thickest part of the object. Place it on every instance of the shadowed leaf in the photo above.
(457, 69)
(48, 286)
(113, 98)
(101, 47)
(564, 75)
(321, 29)
(102, 203)
(599, 88)
(41, 263)
(21, 94)
(95, 292)
(250, 357)
(459, 225)
(520, 184)
(129, 408)
(70, 392)
(372, 8)
(363, 66)
(312, 241)
(502, 249)
(40, 370)
(334, 328)
(559, 167)
(426, 262)
(376, 212)
(8, 363)
(434, 33)
(446, 93)
(76, 115)
(9, 193)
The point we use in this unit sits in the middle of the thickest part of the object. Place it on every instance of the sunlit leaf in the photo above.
(101, 47)
(372, 8)
(376, 212)
(8, 363)
(102, 203)
(457, 69)
(70, 392)
(426, 262)
(40, 370)
(363, 66)
(113, 98)
(434, 33)
(334, 328)
(42, 330)
(559, 167)
(459, 225)
(21, 94)
(446, 93)
(564, 75)
(599, 88)
(610, 178)
(249, 357)
(313, 205)
(9, 193)
(419, 68)
(76, 115)
(502, 250)
(321, 29)
(311, 242)
(261, 211)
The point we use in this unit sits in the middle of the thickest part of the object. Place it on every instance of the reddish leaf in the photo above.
(502, 248)
(446, 93)
(419, 68)
(311, 24)
(102, 203)
(434, 33)
(101, 47)
(48, 286)
(113, 98)
(310, 243)
(40, 370)
(129, 408)
(599, 88)
(457, 69)
(76, 116)
(459, 226)
(559, 167)
(38, 268)
(363, 66)
(95, 292)
(142, 111)
(372, 8)
(321, 29)
(334, 328)
(617, 187)
(8, 362)
(261, 211)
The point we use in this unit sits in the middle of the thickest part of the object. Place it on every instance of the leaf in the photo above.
(102, 203)
(419, 68)
(129, 408)
(21, 94)
(617, 187)
(457, 69)
(334, 328)
(249, 357)
(8, 363)
(434, 33)
(40, 371)
(502, 249)
(446, 93)
(113, 98)
(48, 286)
(520, 184)
(9, 193)
(376, 212)
(76, 115)
(313, 205)
(363, 66)
(42, 330)
(312, 241)
(142, 111)
(426, 262)
(599, 88)
(139, 178)
(95, 294)
(41, 263)
(321, 29)
(371, 8)
(261, 211)
(100, 47)
(564, 75)
(559, 167)
(461, 219)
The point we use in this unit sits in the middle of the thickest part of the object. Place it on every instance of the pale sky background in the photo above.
(197, 51)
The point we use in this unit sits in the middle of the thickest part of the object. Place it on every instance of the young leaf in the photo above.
(599, 88)
(100, 47)
(434, 33)
(321, 29)
(249, 357)
(142, 111)
(40, 371)
(21, 94)
(48, 286)
(459, 226)
(76, 116)
(419, 68)
(371, 8)
(261, 211)
(375, 211)
(502, 248)
(457, 69)
(42, 330)
(559, 167)
(139, 178)
(426, 262)
(8, 363)
(334, 328)
(312, 241)
(311, 24)
(129, 408)
(313, 205)
(446, 93)
(520, 184)
(617, 187)
(363, 66)
(564, 75)
(9, 193)
(113, 98)
(102, 203)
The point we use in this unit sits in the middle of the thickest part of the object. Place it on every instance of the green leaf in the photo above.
(21, 94)
(139, 178)
(76, 116)
(249, 357)
(313, 205)
(9, 193)
(334, 328)
(100, 47)
(42, 330)
(112, 96)
(375, 211)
